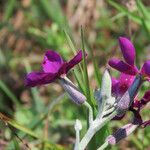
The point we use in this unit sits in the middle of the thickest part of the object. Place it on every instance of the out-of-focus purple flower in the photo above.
(128, 65)
(53, 67)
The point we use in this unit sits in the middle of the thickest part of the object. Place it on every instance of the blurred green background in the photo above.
(27, 29)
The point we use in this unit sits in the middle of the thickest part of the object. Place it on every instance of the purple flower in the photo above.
(128, 65)
(129, 71)
(126, 130)
(53, 67)
(121, 85)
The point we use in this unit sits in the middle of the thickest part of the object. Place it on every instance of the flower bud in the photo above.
(128, 97)
(75, 95)
(121, 133)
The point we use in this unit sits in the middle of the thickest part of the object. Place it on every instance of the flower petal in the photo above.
(123, 67)
(128, 50)
(39, 78)
(114, 81)
(52, 62)
(125, 82)
(74, 61)
(146, 69)
(114, 86)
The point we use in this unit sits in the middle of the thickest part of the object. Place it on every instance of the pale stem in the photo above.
(78, 127)
(96, 125)
(108, 111)
(77, 140)
(86, 104)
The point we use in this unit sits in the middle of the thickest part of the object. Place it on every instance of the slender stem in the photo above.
(103, 146)
(90, 112)
(77, 140)
(78, 127)
(108, 111)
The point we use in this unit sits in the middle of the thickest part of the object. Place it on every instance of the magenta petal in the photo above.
(52, 62)
(74, 61)
(126, 79)
(39, 78)
(128, 50)
(114, 81)
(123, 67)
(125, 82)
(146, 69)
(114, 86)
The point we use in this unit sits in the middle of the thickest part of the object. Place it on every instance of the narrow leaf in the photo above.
(9, 93)
(106, 85)
(10, 6)
(86, 79)
(125, 10)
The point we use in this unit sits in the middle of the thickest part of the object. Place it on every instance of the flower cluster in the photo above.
(129, 71)
(114, 99)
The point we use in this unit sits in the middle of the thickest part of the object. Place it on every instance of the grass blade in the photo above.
(10, 6)
(9, 93)
(96, 68)
(85, 72)
(143, 9)
(143, 16)
(125, 10)
(14, 124)
(53, 10)
(78, 76)
(16, 144)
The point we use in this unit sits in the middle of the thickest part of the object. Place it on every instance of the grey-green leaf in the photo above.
(106, 85)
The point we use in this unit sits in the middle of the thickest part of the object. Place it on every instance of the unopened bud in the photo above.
(72, 91)
(128, 97)
(121, 133)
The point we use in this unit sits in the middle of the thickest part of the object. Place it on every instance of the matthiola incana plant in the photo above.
(115, 97)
